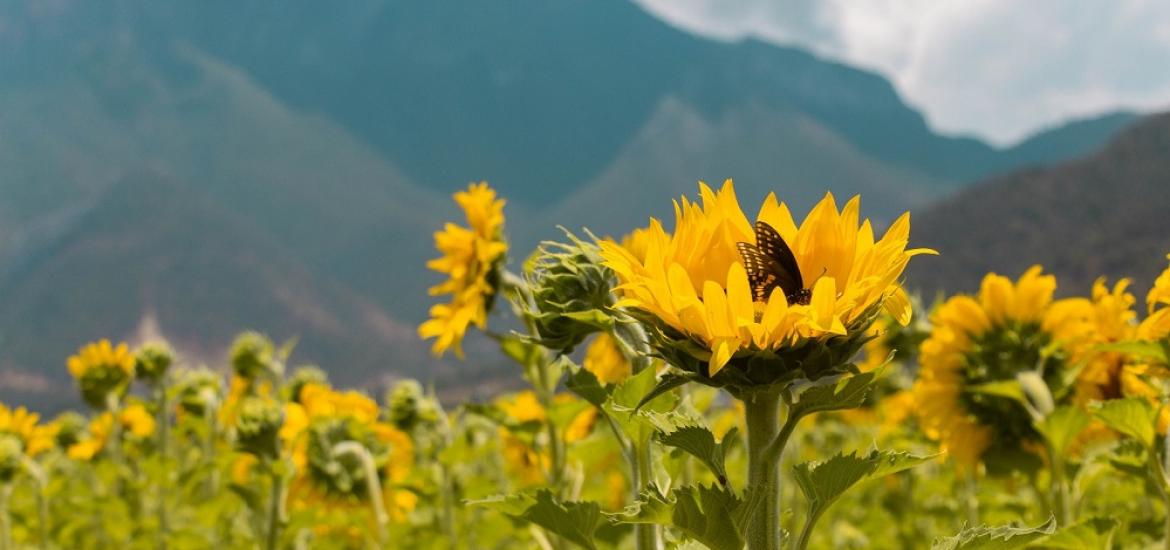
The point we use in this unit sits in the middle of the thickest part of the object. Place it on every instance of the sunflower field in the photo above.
(725, 382)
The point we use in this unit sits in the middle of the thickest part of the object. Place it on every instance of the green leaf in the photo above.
(1090, 534)
(1133, 417)
(576, 522)
(845, 393)
(1148, 350)
(1062, 426)
(586, 385)
(667, 383)
(711, 515)
(699, 442)
(651, 507)
(823, 482)
(623, 406)
(1005, 537)
(1009, 389)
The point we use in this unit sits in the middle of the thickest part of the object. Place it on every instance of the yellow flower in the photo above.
(134, 419)
(101, 370)
(694, 280)
(21, 423)
(582, 425)
(1008, 328)
(137, 420)
(606, 361)
(99, 429)
(522, 407)
(471, 258)
(314, 428)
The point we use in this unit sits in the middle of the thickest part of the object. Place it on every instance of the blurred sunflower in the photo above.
(135, 420)
(525, 452)
(23, 425)
(605, 360)
(1115, 373)
(695, 287)
(103, 372)
(1007, 329)
(471, 260)
(331, 480)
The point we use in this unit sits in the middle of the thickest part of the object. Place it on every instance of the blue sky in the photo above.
(998, 69)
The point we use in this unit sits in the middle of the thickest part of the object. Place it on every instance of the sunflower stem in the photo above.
(373, 482)
(765, 445)
(646, 536)
(164, 436)
(37, 473)
(273, 536)
(1063, 502)
(5, 516)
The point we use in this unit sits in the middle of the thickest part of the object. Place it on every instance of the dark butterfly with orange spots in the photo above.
(770, 264)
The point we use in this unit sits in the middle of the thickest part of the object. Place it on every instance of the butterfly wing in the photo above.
(771, 244)
(762, 271)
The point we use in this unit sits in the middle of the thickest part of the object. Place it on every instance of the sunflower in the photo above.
(19, 422)
(103, 371)
(1007, 329)
(326, 479)
(471, 260)
(694, 286)
(134, 420)
(1112, 373)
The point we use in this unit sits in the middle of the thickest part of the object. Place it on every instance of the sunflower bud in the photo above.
(410, 407)
(70, 429)
(258, 426)
(152, 361)
(11, 453)
(200, 391)
(303, 376)
(571, 293)
(254, 356)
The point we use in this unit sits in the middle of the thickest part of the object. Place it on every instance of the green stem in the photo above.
(971, 498)
(806, 531)
(765, 444)
(274, 507)
(41, 484)
(1063, 503)
(5, 516)
(646, 536)
(373, 483)
(164, 422)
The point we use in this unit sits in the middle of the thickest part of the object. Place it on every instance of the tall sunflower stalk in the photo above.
(755, 316)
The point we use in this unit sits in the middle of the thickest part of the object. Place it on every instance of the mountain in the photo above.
(328, 138)
(1105, 214)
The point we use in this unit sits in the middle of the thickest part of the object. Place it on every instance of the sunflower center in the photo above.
(999, 355)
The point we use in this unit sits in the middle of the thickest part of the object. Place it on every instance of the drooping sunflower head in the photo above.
(200, 391)
(152, 360)
(768, 312)
(571, 291)
(102, 371)
(1010, 331)
(471, 260)
(333, 425)
(254, 358)
(411, 408)
(258, 424)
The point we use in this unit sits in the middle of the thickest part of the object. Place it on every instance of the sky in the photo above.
(997, 69)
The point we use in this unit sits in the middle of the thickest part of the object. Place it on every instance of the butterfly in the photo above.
(770, 264)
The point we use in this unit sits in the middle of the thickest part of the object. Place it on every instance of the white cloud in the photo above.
(1000, 69)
